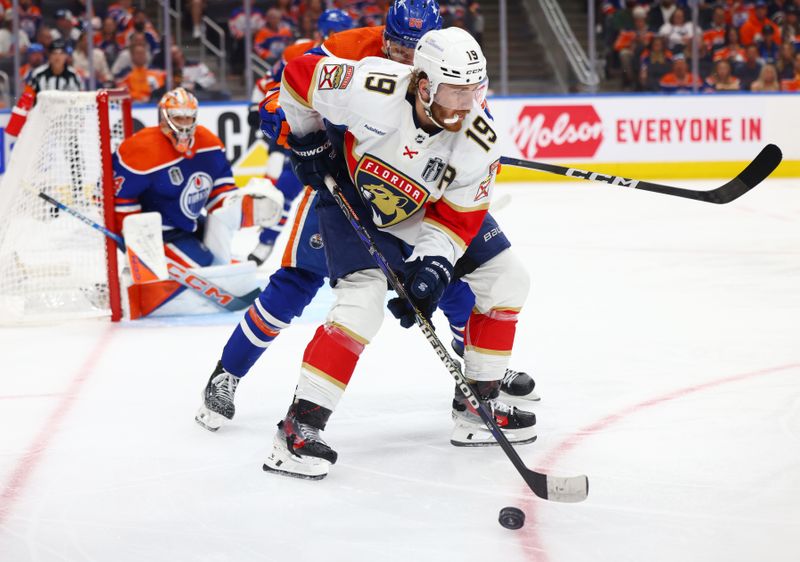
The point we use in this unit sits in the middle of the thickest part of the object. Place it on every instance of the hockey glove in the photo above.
(425, 281)
(313, 158)
(273, 119)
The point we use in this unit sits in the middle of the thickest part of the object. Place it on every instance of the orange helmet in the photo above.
(173, 110)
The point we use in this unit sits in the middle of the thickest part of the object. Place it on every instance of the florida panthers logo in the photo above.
(195, 194)
(392, 196)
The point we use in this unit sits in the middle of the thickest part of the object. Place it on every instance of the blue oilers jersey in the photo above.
(150, 175)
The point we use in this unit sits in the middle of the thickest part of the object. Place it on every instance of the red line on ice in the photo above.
(25, 467)
(531, 540)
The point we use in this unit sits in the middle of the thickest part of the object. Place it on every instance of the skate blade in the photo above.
(268, 468)
(211, 421)
(281, 461)
(470, 436)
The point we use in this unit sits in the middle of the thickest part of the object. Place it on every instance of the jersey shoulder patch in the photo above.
(146, 151)
(355, 44)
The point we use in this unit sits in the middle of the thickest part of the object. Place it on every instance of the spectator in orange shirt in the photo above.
(714, 37)
(767, 80)
(738, 12)
(141, 81)
(733, 50)
(723, 79)
(680, 80)
(631, 42)
(753, 29)
(273, 38)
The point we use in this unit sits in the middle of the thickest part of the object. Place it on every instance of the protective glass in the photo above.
(460, 98)
(398, 53)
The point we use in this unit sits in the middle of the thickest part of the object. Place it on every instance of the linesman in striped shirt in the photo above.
(56, 74)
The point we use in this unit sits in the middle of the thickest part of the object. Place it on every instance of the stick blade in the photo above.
(757, 171)
(764, 164)
(571, 489)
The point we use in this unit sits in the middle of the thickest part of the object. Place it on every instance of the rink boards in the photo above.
(641, 136)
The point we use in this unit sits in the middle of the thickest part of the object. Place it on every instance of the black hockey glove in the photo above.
(313, 158)
(425, 280)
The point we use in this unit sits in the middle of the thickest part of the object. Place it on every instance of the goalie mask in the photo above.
(453, 63)
(177, 117)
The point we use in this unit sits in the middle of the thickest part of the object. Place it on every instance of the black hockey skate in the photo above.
(470, 431)
(217, 399)
(520, 385)
(515, 384)
(298, 450)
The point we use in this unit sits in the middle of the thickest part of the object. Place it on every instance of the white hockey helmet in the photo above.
(452, 57)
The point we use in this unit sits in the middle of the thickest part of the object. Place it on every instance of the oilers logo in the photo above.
(316, 241)
(392, 196)
(195, 194)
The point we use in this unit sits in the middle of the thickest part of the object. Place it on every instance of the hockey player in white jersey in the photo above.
(416, 154)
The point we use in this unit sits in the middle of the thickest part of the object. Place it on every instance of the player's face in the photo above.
(398, 53)
(450, 119)
(58, 58)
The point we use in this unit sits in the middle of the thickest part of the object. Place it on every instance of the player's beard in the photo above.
(441, 115)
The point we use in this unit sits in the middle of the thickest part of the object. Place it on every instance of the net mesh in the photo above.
(52, 266)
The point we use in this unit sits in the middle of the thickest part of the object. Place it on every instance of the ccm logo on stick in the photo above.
(200, 284)
(594, 176)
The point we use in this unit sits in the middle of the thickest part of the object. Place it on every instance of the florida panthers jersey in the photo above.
(150, 175)
(431, 191)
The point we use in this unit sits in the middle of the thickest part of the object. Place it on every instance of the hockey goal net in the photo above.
(53, 266)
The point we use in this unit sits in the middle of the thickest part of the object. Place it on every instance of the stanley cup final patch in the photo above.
(392, 196)
(433, 169)
(333, 76)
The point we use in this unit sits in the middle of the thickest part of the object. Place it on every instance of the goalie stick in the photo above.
(561, 489)
(177, 272)
(757, 171)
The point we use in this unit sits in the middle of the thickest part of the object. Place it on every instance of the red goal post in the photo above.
(52, 266)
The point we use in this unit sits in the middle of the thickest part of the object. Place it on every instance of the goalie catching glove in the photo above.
(425, 280)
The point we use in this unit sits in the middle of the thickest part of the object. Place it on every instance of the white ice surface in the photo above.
(664, 336)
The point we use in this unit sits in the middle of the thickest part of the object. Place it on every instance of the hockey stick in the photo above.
(757, 171)
(177, 272)
(569, 489)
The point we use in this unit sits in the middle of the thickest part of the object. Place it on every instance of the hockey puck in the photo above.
(512, 517)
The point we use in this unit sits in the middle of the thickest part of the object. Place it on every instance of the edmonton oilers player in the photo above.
(303, 269)
(279, 169)
(424, 218)
(179, 170)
